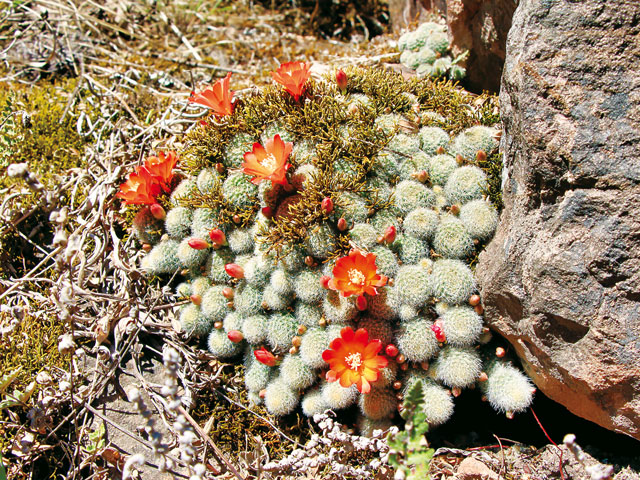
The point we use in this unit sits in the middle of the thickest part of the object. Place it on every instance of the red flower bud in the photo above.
(324, 281)
(389, 235)
(235, 336)
(342, 224)
(227, 292)
(198, 244)
(267, 212)
(474, 300)
(438, 330)
(391, 350)
(327, 205)
(420, 176)
(265, 357)
(341, 79)
(500, 352)
(361, 303)
(217, 237)
(157, 211)
(196, 299)
(234, 270)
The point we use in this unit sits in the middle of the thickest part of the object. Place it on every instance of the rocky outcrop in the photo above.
(477, 26)
(561, 278)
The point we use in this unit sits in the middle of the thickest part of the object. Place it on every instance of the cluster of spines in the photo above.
(427, 312)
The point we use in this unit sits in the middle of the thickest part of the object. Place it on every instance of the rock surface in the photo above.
(561, 278)
(479, 26)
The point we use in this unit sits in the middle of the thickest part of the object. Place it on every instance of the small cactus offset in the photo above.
(426, 50)
(325, 233)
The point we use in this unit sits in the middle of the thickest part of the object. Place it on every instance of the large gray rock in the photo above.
(561, 278)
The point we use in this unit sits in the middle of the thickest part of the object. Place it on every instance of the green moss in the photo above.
(232, 420)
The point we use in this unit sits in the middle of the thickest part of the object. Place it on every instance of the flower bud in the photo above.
(218, 238)
(157, 211)
(324, 281)
(474, 300)
(388, 236)
(198, 244)
(421, 176)
(234, 270)
(481, 156)
(228, 293)
(327, 205)
(235, 336)
(438, 330)
(267, 212)
(500, 352)
(342, 224)
(196, 299)
(265, 357)
(361, 303)
(391, 350)
(440, 150)
(341, 79)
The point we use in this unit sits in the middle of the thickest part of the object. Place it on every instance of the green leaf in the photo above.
(8, 379)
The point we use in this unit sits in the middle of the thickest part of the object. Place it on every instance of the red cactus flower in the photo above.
(161, 168)
(268, 162)
(353, 359)
(217, 97)
(293, 76)
(140, 188)
(357, 274)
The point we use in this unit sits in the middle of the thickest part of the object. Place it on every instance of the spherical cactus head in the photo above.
(221, 347)
(507, 388)
(458, 366)
(465, 184)
(462, 326)
(452, 281)
(378, 404)
(416, 340)
(412, 285)
(313, 403)
(451, 239)
(279, 398)
(296, 373)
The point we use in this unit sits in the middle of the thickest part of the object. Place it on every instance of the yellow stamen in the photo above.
(356, 277)
(354, 360)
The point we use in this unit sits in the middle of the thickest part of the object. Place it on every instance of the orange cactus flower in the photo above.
(217, 97)
(353, 359)
(357, 274)
(141, 188)
(268, 162)
(161, 168)
(293, 76)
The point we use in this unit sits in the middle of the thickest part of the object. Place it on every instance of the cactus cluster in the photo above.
(426, 50)
(259, 260)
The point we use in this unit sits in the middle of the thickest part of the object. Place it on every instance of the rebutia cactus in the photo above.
(426, 50)
(352, 260)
